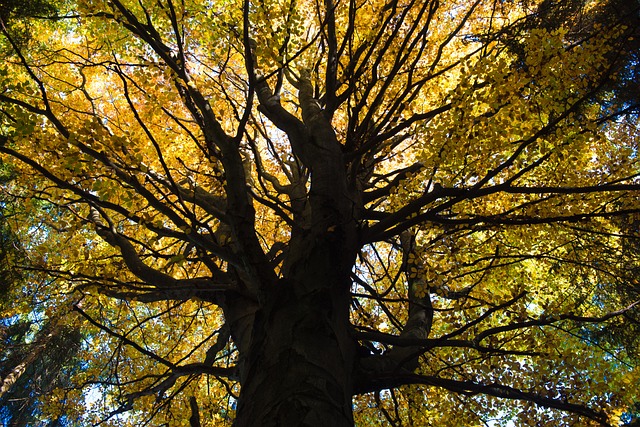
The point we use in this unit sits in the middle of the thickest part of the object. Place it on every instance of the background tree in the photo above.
(312, 213)
(36, 350)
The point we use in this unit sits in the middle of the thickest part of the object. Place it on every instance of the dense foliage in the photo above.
(380, 212)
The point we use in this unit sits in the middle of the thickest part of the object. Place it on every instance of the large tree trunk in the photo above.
(299, 370)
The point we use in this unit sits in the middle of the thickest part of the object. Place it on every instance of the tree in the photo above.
(317, 214)
(36, 350)
(34, 368)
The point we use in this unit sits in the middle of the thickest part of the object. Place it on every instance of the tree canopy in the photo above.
(369, 212)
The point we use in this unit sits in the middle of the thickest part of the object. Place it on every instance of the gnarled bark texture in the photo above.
(298, 369)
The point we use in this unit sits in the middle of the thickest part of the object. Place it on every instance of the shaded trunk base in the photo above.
(300, 368)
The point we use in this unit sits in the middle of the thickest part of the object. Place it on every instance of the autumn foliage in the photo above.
(371, 212)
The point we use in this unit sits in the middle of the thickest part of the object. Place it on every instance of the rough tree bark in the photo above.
(299, 366)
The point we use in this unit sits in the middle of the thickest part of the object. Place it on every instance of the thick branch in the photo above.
(139, 268)
(470, 388)
(411, 215)
(285, 121)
